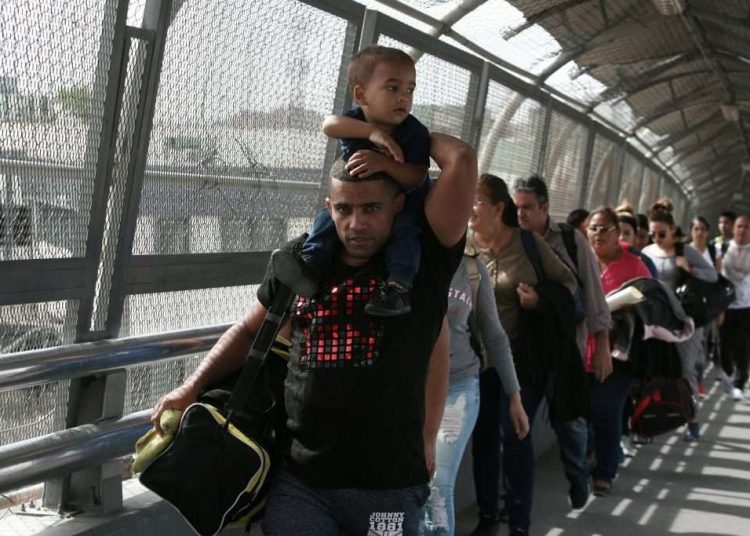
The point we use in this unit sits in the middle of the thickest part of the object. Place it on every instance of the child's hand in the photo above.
(365, 162)
(391, 148)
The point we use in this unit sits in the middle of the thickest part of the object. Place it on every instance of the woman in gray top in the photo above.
(462, 403)
(672, 258)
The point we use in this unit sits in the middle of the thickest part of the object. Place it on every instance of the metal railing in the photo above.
(53, 455)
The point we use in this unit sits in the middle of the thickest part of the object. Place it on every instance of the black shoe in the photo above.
(489, 525)
(390, 299)
(294, 273)
(518, 531)
(578, 495)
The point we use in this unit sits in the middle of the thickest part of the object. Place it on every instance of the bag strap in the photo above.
(569, 241)
(472, 269)
(532, 252)
(260, 348)
(475, 339)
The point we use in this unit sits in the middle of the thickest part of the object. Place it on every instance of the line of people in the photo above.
(409, 338)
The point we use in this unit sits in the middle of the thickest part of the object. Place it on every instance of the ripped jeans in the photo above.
(461, 410)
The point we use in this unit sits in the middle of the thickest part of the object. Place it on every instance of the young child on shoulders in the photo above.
(379, 135)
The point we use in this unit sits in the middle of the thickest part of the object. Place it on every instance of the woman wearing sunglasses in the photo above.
(618, 265)
(673, 259)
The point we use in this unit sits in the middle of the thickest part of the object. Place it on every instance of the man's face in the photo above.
(725, 226)
(363, 213)
(532, 216)
(386, 98)
(742, 230)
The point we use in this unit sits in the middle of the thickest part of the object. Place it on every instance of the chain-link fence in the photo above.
(235, 159)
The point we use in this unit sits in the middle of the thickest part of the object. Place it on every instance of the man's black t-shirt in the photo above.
(355, 388)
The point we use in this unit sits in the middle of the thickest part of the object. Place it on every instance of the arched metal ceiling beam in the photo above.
(715, 180)
(703, 146)
(539, 16)
(607, 34)
(680, 135)
(470, 45)
(731, 54)
(449, 19)
(627, 92)
(718, 18)
(698, 34)
(676, 105)
(712, 184)
(699, 168)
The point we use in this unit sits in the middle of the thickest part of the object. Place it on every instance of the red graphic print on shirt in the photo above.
(337, 331)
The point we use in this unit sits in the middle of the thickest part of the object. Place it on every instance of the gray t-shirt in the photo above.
(667, 266)
(463, 360)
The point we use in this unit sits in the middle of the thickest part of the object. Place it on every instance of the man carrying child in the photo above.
(378, 136)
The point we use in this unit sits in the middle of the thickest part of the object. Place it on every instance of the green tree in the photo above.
(75, 100)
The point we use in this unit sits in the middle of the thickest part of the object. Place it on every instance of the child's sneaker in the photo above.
(294, 273)
(738, 395)
(390, 299)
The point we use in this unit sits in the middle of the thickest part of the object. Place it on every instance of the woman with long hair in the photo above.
(674, 260)
(618, 264)
(496, 237)
(476, 335)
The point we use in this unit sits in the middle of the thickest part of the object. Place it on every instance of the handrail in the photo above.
(25, 369)
(42, 458)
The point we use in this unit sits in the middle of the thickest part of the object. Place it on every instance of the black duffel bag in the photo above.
(704, 301)
(215, 471)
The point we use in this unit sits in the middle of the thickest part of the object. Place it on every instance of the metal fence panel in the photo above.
(33, 411)
(511, 133)
(630, 184)
(155, 313)
(147, 314)
(237, 118)
(649, 191)
(604, 172)
(562, 164)
(51, 105)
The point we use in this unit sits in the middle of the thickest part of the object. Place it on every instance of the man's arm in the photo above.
(448, 204)
(436, 391)
(227, 355)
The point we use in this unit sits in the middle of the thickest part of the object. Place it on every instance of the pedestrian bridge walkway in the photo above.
(668, 487)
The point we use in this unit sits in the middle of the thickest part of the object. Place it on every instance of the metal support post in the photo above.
(472, 131)
(542, 152)
(585, 176)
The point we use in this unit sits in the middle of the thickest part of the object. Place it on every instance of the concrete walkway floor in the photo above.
(668, 487)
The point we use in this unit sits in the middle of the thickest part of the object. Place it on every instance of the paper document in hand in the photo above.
(624, 297)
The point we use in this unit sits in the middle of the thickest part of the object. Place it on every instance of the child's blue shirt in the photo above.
(411, 135)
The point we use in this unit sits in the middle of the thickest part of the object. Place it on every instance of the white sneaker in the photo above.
(726, 383)
(737, 394)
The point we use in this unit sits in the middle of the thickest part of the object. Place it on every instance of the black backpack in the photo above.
(661, 406)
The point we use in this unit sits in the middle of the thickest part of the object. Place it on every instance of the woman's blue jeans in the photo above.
(519, 459)
(461, 409)
(607, 404)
